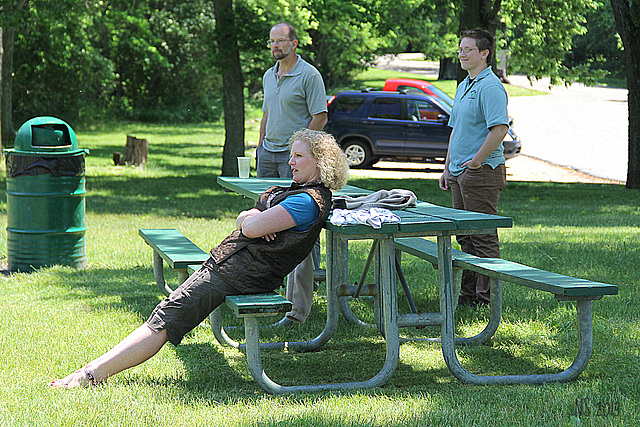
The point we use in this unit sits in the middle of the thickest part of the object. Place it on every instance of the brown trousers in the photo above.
(478, 190)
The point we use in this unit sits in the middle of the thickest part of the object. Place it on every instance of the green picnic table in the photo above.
(423, 220)
(389, 242)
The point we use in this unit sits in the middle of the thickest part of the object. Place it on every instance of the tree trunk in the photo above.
(482, 14)
(7, 39)
(7, 131)
(448, 69)
(627, 16)
(232, 85)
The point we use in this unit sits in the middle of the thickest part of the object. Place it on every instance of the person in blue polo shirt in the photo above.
(474, 168)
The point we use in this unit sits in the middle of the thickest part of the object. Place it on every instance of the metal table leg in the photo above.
(158, 274)
(389, 312)
(447, 303)
(343, 302)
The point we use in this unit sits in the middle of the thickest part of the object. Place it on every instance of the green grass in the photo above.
(57, 319)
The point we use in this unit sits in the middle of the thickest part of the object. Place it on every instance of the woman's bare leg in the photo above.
(139, 346)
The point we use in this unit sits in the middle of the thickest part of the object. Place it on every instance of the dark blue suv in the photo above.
(370, 126)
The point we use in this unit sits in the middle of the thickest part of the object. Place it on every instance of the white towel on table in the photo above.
(373, 217)
(392, 199)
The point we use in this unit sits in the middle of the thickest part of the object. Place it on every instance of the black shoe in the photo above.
(467, 301)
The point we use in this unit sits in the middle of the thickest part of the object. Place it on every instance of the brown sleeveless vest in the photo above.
(255, 265)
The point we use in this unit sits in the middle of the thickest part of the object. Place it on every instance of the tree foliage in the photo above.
(539, 35)
(160, 59)
(142, 60)
(52, 51)
(600, 46)
(339, 37)
(430, 27)
(343, 37)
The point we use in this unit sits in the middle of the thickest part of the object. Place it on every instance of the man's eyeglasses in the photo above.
(278, 42)
(466, 50)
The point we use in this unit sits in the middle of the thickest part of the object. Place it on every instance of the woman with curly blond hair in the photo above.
(332, 162)
(334, 169)
(283, 226)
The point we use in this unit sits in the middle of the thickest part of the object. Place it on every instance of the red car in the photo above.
(417, 86)
(420, 87)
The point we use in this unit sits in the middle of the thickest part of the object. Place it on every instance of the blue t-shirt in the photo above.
(303, 209)
(478, 106)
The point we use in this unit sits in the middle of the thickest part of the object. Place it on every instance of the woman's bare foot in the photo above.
(137, 347)
(80, 378)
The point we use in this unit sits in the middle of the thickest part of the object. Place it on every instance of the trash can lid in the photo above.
(46, 136)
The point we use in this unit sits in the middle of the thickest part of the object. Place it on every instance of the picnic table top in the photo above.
(424, 216)
(254, 187)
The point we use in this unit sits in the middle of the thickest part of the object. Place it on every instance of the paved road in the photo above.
(585, 128)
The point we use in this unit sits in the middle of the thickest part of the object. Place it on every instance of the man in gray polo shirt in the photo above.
(294, 98)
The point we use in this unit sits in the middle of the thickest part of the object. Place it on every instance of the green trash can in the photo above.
(45, 197)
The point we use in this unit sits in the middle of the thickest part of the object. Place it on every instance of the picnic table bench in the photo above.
(185, 257)
(172, 247)
(564, 288)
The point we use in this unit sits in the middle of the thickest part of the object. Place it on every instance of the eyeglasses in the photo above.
(278, 42)
(466, 50)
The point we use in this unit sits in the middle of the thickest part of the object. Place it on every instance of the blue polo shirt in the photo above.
(303, 209)
(478, 106)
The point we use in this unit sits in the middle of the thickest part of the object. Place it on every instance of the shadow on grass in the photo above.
(226, 379)
(188, 196)
(210, 376)
(340, 361)
(126, 289)
(354, 354)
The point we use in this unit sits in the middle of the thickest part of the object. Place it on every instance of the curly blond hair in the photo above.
(332, 162)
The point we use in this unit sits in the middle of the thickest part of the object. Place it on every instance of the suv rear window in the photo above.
(386, 108)
(346, 105)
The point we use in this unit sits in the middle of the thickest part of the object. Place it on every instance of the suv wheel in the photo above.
(358, 153)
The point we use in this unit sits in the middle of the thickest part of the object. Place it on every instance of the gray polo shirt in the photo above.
(290, 101)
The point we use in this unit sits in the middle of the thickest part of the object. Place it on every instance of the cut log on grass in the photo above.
(135, 152)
